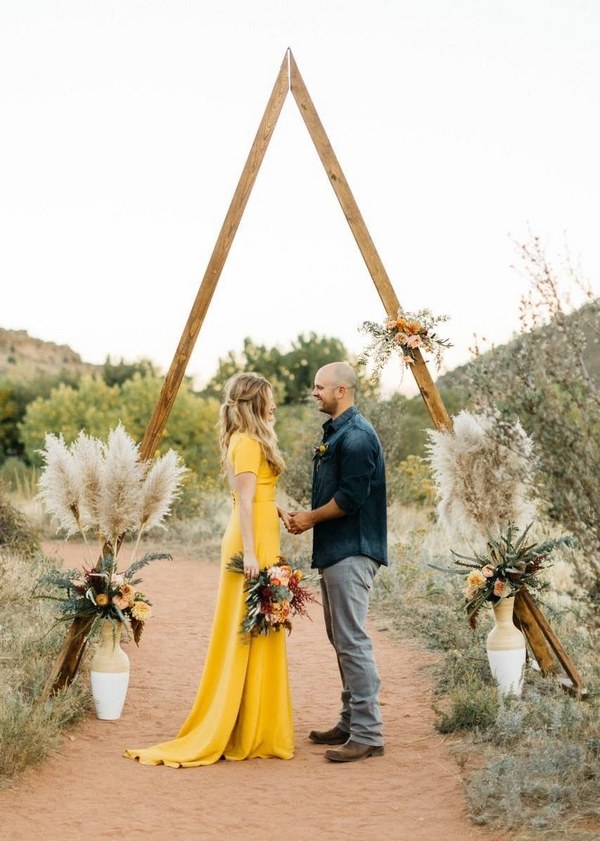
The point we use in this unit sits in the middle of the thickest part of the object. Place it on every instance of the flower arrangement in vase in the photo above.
(103, 492)
(483, 473)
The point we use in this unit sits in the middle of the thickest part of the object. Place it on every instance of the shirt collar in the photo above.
(332, 425)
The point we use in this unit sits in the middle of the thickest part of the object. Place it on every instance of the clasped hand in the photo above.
(299, 521)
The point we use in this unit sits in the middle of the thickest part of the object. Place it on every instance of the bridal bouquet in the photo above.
(273, 598)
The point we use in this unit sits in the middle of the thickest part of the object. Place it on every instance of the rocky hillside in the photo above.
(24, 358)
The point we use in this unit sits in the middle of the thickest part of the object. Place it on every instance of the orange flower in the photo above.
(127, 592)
(120, 602)
(501, 588)
(413, 327)
(101, 599)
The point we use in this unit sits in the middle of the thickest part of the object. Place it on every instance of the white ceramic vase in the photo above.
(506, 649)
(109, 673)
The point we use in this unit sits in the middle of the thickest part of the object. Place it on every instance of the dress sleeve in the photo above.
(246, 455)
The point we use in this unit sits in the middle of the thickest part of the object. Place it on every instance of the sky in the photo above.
(462, 126)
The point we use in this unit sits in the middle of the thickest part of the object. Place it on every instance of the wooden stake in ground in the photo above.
(288, 78)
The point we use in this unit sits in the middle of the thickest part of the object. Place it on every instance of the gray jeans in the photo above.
(345, 590)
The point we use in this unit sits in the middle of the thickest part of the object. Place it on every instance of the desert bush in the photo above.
(29, 644)
(16, 532)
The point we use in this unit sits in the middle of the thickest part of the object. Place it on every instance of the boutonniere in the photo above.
(320, 450)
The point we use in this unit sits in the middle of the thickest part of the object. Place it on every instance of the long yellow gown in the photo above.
(243, 706)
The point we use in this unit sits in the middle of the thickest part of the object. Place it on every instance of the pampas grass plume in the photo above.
(120, 491)
(59, 484)
(88, 458)
(482, 483)
(159, 488)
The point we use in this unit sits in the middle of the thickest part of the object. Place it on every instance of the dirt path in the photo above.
(88, 790)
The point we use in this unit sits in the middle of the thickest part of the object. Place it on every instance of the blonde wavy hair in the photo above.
(245, 408)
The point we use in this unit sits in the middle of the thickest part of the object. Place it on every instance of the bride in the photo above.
(243, 706)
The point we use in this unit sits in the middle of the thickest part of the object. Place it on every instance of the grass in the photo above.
(30, 731)
(529, 765)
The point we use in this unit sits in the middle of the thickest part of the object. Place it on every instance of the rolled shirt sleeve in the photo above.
(358, 462)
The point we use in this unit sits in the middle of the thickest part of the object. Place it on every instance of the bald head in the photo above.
(338, 374)
(334, 388)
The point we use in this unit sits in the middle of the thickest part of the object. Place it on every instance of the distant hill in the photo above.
(24, 358)
(587, 319)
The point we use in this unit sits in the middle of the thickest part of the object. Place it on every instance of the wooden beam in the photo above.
(213, 271)
(527, 606)
(525, 620)
(67, 662)
(366, 246)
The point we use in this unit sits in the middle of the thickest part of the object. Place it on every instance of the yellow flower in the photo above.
(476, 578)
(101, 599)
(141, 611)
(475, 581)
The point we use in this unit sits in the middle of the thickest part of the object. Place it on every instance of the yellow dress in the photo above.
(243, 706)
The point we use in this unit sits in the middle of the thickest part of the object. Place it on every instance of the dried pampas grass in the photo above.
(122, 474)
(483, 474)
(106, 488)
(59, 484)
(160, 488)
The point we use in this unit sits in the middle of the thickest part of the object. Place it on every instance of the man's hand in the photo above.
(300, 521)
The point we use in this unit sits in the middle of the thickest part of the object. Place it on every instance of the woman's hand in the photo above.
(250, 567)
(284, 516)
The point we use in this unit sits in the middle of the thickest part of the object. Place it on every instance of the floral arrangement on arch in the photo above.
(273, 598)
(483, 470)
(404, 334)
(104, 491)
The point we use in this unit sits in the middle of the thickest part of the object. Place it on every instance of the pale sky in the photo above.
(459, 124)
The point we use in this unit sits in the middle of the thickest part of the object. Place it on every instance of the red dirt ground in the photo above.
(88, 790)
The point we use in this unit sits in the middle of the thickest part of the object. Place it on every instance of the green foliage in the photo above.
(30, 731)
(15, 396)
(290, 372)
(116, 373)
(411, 482)
(97, 407)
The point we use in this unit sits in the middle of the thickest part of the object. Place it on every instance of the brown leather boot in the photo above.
(335, 736)
(353, 752)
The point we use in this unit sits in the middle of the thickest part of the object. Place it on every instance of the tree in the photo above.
(291, 372)
(115, 373)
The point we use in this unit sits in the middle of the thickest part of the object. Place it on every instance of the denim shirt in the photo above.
(348, 467)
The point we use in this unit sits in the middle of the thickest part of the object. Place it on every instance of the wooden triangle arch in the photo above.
(538, 632)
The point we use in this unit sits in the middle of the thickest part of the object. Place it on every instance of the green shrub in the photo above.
(29, 644)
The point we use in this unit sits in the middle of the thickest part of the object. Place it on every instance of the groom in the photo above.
(348, 519)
